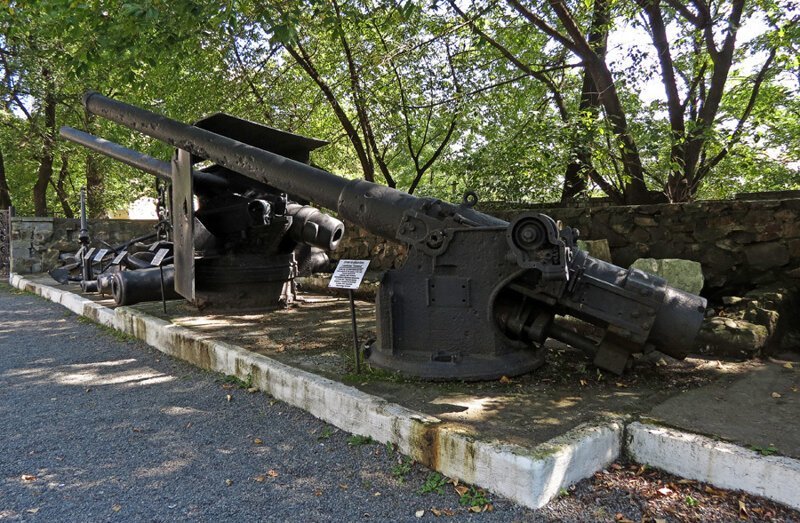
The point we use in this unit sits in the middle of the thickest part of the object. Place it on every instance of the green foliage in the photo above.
(474, 497)
(433, 99)
(357, 440)
(434, 483)
(402, 468)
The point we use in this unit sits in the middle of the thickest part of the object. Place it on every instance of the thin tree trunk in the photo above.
(5, 192)
(45, 173)
(95, 180)
(61, 193)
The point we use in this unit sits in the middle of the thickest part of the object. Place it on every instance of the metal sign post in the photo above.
(348, 275)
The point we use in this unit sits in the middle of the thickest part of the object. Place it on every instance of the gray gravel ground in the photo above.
(95, 427)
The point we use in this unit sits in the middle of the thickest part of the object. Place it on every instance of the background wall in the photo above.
(37, 242)
(740, 243)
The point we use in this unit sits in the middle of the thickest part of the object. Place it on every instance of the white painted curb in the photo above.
(721, 464)
(529, 476)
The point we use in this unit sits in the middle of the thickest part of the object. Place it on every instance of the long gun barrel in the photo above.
(477, 296)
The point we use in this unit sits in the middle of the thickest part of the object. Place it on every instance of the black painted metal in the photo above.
(477, 296)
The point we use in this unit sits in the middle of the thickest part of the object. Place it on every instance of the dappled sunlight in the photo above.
(166, 468)
(95, 374)
(181, 411)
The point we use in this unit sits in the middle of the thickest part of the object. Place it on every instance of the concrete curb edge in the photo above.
(722, 464)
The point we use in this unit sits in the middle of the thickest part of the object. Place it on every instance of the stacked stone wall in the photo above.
(36, 243)
(741, 244)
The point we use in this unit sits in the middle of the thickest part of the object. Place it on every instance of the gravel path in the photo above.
(98, 427)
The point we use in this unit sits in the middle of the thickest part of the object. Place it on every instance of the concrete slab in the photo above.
(759, 408)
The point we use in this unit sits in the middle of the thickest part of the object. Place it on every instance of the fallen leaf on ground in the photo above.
(474, 508)
(251, 390)
(272, 473)
(116, 508)
(621, 385)
(488, 507)
(260, 478)
(616, 466)
(776, 395)
(659, 520)
(743, 510)
(318, 492)
(28, 477)
(229, 482)
(664, 491)
(584, 383)
(258, 441)
(505, 380)
(228, 397)
(436, 512)
(227, 386)
(686, 481)
(377, 494)
(788, 365)
(419, 513)
(32, 510)
(712, 491)
(461, 490)
(344, 486)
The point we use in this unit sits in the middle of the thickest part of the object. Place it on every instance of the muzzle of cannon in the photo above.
(239, 242)
(477, 296)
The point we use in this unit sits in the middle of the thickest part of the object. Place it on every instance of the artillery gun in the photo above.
(238, 242)
(477, 296)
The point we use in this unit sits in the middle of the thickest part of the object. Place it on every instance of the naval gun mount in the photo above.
(477, 296)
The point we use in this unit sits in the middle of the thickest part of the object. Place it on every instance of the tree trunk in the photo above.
(5, 192)
(95, 188)
(45, 173)
(580, 167)
(63, 173)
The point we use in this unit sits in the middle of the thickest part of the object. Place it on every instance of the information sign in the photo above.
(348, 274)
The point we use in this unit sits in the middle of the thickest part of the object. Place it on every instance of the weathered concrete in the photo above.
(716, 462)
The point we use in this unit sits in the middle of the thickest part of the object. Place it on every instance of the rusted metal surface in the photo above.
(477, 296)
(238, 241)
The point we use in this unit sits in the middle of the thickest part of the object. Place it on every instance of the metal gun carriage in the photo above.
(477, 296)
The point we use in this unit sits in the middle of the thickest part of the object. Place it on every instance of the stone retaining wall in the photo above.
(37, 242)
(741, 244)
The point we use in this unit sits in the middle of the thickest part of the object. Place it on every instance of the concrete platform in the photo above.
(525, 437)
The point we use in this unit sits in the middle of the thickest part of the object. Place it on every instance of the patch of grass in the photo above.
(563, 493)
(691, 502)
(369, 373)
(236, 381)
(769, 450)
(357, 440)
(326, 433)
(402, 468)
(114, 333)
(474, 497)
(434, 483)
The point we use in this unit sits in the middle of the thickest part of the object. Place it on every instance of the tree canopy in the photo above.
(534, 100)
